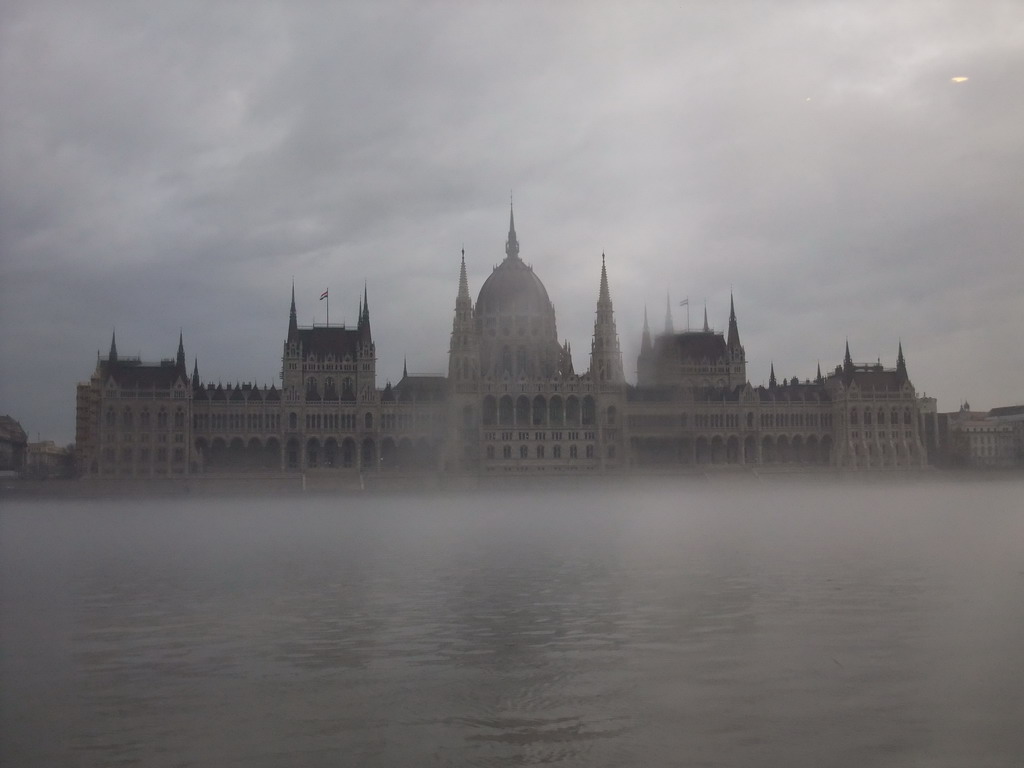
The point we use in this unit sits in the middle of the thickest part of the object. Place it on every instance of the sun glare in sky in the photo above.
(958, 79)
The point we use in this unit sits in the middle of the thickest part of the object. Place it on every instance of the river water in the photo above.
(771, 624)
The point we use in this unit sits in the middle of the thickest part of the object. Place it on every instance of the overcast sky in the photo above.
(169, 166)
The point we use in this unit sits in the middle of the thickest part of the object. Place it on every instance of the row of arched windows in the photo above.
(541, 411)
(894, 416)
(127, 420)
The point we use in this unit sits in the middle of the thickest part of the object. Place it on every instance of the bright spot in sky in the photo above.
(958, 79)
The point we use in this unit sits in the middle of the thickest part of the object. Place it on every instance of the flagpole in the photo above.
(328, 307)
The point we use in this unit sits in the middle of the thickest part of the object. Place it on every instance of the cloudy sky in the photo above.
(169, 166)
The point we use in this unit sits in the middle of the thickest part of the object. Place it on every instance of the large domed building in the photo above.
(511, 403)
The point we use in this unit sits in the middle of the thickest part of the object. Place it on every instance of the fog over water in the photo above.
(768, 624)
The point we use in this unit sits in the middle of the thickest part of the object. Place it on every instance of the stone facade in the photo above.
(511, 404)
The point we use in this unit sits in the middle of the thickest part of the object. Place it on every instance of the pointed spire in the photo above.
(901, 364)
(195, 374)
(180, 359)
(112, 357)
(707, 328)
(645, 339)
(819, 379)
(512, 244)
(293, 323)
(405, 368)
(847, 364)
(364, 317)
(605, 355)
(463, 281)
(603, 296)
(734, 330)
(669, 329)
(771, 377)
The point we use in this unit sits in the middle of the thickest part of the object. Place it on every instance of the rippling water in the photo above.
(768, 625)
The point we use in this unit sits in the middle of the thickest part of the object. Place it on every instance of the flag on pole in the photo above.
(684, 303)
(323, 295)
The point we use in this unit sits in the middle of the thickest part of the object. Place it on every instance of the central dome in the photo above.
(513, 289)
(515, 319)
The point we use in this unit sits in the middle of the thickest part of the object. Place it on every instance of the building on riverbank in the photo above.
(511, 404)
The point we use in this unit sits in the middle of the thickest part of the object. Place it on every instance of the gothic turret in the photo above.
(669, 327)
(112, 357)
(195, 375)
(772, 383)
(645, 339)
(707, 328)
(847, 365)
(463, 355)
(605, 355)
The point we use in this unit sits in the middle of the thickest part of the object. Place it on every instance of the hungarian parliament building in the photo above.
(511, 404)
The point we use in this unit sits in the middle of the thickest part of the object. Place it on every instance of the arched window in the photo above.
(490, 451)
(867, 417)
(179, 418)
(853, 415)
(540, 451)
(144, 418)
(556, 452)
(588, 410)
(161, 419)
(521, 361)
(111, 418)
(573, 452)
(126, 418)
(506, 452)
(368, 420)
(612, 413)
(506, 360)
(293, 421)
(523, 451)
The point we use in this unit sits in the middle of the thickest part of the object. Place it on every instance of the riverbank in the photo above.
(290, 484)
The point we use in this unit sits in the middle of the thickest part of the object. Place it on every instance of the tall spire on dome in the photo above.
(512, 244)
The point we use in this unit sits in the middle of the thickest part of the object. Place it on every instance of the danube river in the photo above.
(766, 624)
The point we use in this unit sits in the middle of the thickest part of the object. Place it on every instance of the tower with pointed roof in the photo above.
(605, 354)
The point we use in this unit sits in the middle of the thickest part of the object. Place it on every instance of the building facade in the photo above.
(511, 404)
